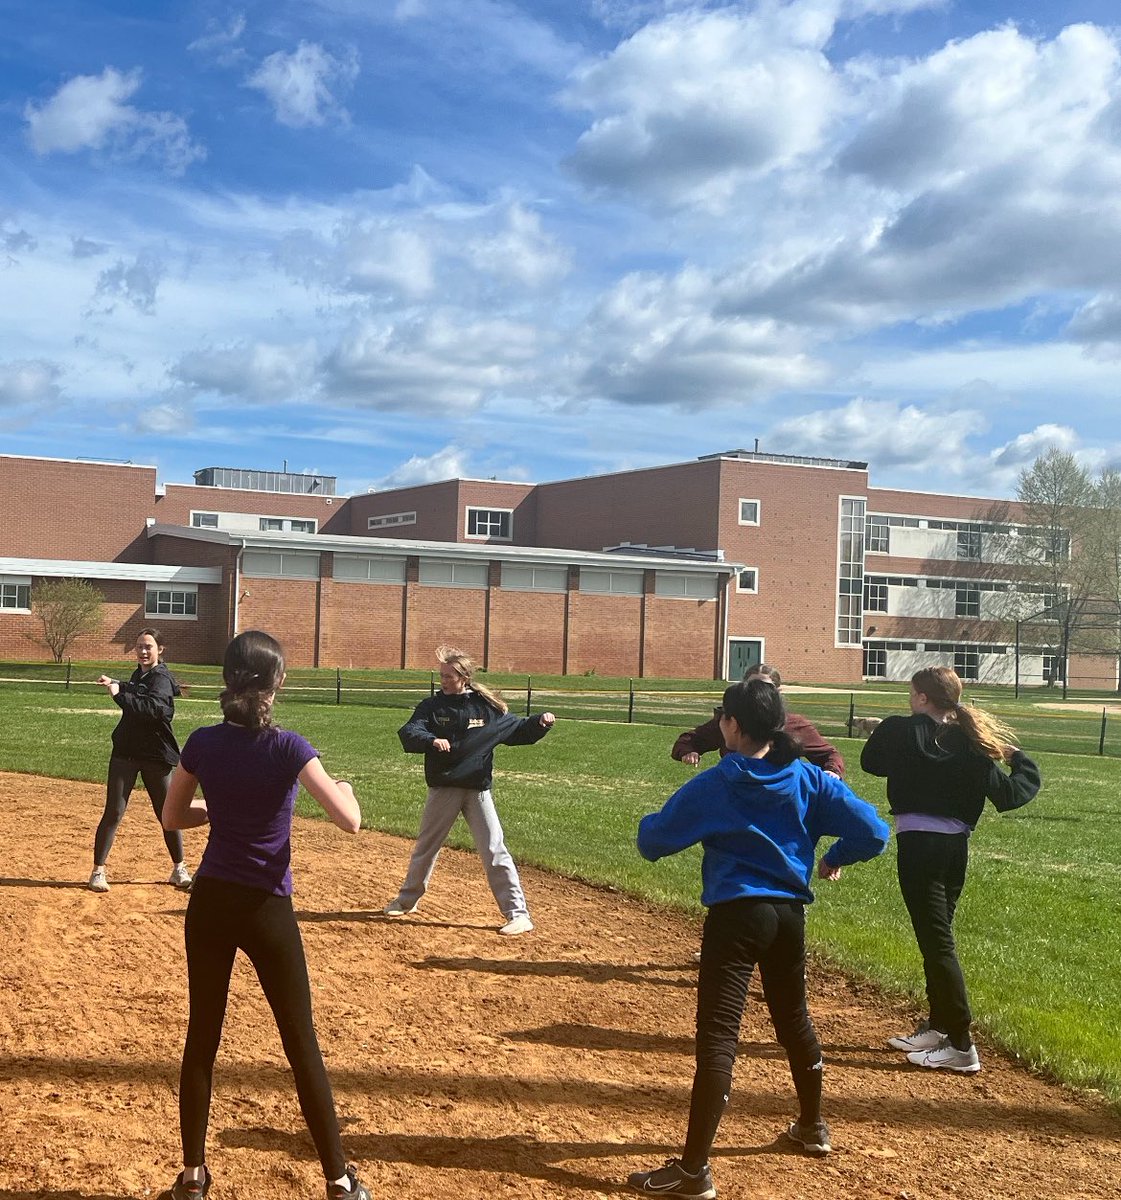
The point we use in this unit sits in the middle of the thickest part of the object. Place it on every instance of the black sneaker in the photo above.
(356, 1191)
(814, 1139)
(674, 1180)
(194, 1189)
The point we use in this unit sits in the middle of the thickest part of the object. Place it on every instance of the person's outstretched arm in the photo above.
(334, 796)
(694, 742)
(185, 807)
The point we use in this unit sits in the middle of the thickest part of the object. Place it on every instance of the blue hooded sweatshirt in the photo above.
(759, 825)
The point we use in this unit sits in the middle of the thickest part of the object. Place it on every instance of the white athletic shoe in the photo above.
(518, 924)
(396, 908)
(180, 877)
(924, 1038)
(98, 880)
(947, 1057)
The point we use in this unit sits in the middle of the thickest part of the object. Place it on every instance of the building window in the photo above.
(1053, 668)
(875, 597)
(614, 583)
(748, 580)
(682, 585)
(282, 564)
(878, 534)
(450, 572)
(204, 520)
(967, 663)
(875, 662)
(286, 525)
(969, 544)
(519, 578)
(182, 602)
(272, 525)
(383, 522)
(497, 524)
(304, 526)
(15, 593)
(749, 512)
(364, 568)
(850, 573)
(968, 602)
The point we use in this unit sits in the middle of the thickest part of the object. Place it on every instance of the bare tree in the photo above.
(1107, 559)
(67, 609)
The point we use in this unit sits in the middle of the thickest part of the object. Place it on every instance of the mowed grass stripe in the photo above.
(1039, 927)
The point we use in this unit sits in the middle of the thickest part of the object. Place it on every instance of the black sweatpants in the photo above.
(932, 868)
(122, 779)
(738, 935)
(223, 918)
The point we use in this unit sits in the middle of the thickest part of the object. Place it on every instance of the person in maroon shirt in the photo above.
(693, 743)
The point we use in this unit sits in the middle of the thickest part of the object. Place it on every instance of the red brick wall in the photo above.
(795, 548)
(604, 634)
(929, 504)
(438, 615)
(680, 636)
(526, 632)
(204, 640)
(435, 505)
(285, 608)
(89, 511)
(123, 617)
(362, 625)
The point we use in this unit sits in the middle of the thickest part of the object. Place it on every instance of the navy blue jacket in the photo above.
(147, 704)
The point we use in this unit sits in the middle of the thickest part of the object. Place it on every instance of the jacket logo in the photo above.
(475, 723)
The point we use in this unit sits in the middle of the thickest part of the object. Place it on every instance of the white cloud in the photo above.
(448, 463)
(690, 108)
(368, 255)
(521, 252)
(135, 283)
(172, 420)
(258, 371)
(1025, 448)
(29, 381)
(220, 41)
(299, 84)
(653, 341)
(89, 112)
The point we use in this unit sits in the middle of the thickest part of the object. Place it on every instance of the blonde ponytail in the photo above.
(985, 733)
(465, 668)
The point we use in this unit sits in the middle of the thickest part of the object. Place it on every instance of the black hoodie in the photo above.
(147, 704)
(473, 728)
(934, 769)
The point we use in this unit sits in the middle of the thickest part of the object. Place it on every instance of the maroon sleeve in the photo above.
(700, 740)
(814, 747)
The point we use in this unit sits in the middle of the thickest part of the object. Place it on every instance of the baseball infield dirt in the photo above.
(465, 1064)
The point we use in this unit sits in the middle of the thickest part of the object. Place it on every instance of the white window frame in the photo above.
(284, 524)
(12, 584)
(536, 578)
(285, 557)
(387, 520)
(758, 511)
(197, 521)
(182, 595)
(506, 513)
(747, 591)
(310, 521)
(469, 571)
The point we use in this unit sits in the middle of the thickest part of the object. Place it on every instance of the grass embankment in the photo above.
(1039, 927)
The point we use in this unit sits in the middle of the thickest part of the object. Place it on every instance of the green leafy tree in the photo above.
(67, 609)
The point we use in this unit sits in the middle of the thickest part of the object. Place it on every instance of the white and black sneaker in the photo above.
(99, 881)
(814, 1139)
(924, 1038)
(674, 1180)
(947, 1057)
(356, 1191)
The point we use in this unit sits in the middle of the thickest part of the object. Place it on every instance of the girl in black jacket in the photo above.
(143, 745)
(941, 763)
(457, 730)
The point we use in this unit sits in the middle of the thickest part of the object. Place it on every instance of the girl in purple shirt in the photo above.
(249, 772)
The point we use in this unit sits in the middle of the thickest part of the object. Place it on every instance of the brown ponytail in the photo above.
(253, 669)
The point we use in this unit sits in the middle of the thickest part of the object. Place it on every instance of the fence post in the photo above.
(432, 683)
(338, 685)
(852, 712)
(1101, 739)
(630, 705)
(528, 693)
(69, 664)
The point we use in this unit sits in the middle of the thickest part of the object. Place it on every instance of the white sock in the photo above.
(343, 1182)
(194, 1174)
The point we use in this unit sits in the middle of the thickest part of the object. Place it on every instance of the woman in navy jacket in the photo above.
(758, 815)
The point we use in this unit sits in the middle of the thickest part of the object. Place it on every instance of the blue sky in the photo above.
(401, 240)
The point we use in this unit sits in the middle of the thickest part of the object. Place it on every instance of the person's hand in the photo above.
(442, 744)
(109, 684)
(548, 719)
(828, 772)
(832, 874)
(1008, 752)
(691, 759)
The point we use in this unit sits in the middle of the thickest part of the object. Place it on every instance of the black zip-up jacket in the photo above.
(473, 728)
(934, 769)
(147, 704)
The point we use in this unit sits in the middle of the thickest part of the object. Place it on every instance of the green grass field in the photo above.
(1039, 928)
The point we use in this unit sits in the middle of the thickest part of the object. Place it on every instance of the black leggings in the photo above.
(122, 779)
(223, 918)
(737, 935)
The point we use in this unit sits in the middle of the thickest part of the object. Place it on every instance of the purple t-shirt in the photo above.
(250, 780)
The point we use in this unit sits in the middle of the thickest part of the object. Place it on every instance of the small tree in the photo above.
(67, 609)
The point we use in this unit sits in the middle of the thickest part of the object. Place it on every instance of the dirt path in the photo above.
(465, 1065)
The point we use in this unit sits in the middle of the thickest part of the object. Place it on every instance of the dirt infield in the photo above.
(465, 1065)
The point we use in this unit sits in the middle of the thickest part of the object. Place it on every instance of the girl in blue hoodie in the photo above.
(758, 814)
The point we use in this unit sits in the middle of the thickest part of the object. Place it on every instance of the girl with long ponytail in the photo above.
(941, 764)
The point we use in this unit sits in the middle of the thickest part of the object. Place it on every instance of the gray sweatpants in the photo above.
(441, 808)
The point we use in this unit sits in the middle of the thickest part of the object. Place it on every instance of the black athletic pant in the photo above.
(223, 918)
(932, 869)
(737, 935)
(122, 779)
